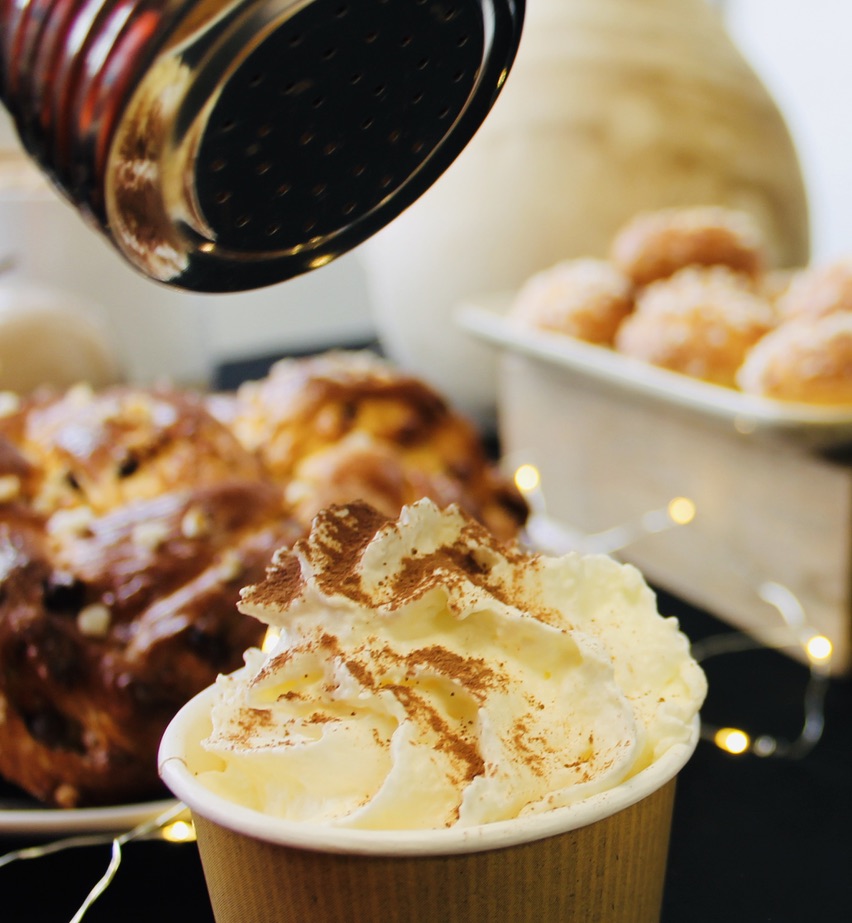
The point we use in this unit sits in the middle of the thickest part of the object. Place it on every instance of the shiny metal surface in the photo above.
(223, 146)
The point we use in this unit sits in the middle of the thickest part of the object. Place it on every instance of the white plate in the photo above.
(812, 425)
(17, 817)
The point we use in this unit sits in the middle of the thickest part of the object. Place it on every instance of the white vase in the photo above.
(613, 106)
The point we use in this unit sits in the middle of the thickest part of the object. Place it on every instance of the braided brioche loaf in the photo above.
(130, 518)
(129, 521)
(344, 426)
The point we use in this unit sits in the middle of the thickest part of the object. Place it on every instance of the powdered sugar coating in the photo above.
(700, 322)
(808, 359)
(584, 298)
(655, 245)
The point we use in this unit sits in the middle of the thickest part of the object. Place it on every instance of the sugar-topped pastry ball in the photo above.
(655, 245)
(806, 359)
(700, 322)
(583, 298)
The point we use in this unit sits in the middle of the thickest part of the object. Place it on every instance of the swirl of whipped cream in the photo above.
(426, 675)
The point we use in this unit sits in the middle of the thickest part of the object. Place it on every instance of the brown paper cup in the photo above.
(602, 860)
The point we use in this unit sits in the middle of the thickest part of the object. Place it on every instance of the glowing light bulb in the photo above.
(179, 831)
(819, 648)
(732, 740)
(527, 478)
(744, 425)
(681, 510)
(270, 639)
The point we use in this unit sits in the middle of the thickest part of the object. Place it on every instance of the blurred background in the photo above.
(801, 55)
(799, 52)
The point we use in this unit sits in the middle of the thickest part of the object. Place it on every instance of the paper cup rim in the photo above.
(183, 783)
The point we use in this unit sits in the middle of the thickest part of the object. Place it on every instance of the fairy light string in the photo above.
(174, 825)
(818, 650)
(548, 534)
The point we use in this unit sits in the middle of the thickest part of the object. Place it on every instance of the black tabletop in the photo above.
(755, 839)
(762, 840)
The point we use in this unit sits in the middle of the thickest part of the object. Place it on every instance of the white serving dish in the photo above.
(615, 439)
(806, 424)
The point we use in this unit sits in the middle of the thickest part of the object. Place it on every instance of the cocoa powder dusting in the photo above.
(534, 757)
(467, 561)
(250, 720)
(462, 556)
(464, 754)
(472, 672)
(361, 673)
(337, 541)
(283, 583)
(340, 535)
(333, 554)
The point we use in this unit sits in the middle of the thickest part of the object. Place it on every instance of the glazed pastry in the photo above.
(655, 245)
(583, 298)
(129, 521)
(806, 359)
(700, 322)
(347, 426)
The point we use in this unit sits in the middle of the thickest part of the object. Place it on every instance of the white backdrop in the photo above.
(801, 49)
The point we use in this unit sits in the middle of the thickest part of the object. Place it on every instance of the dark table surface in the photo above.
(755, 840)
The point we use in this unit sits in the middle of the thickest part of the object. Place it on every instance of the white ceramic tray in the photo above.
(810, 425)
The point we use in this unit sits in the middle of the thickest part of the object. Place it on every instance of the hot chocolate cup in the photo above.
(600, 860)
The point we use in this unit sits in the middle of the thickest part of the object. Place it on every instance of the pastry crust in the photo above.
(346, 426)
(129, 522)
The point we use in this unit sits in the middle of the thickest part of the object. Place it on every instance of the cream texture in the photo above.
(426, 676)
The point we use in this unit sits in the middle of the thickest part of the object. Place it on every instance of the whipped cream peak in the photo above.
(355, 553)
(428, 676)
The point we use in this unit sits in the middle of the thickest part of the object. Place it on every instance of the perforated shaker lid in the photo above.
(276, 136)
